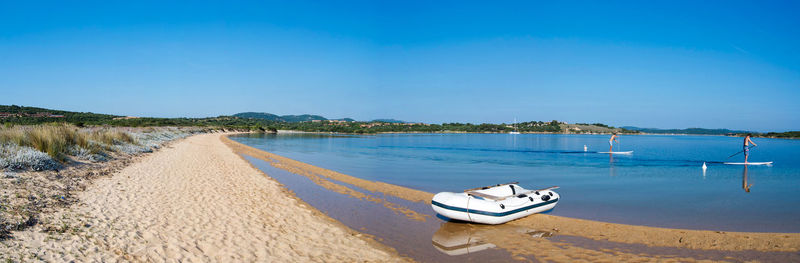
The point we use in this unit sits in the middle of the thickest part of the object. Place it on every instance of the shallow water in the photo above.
(436, 239)
(660, 184)
(411, 238)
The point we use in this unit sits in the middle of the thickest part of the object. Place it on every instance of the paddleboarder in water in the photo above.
(746, 150)
(611, 142)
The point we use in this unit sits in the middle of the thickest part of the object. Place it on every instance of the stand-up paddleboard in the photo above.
(628, 152)
(751, 163)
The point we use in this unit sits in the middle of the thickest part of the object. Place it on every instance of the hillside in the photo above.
(284, 118)
(34, 115)
(388, 121)
(302, 118)
(314, 123)
(594, 128)
(698, 131)
(258, 115)
(790, 134)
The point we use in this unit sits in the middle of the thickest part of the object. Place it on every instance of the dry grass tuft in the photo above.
(110, 137)
(55, 139)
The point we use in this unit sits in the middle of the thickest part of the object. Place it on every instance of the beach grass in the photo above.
(60, 141)
(56, 139)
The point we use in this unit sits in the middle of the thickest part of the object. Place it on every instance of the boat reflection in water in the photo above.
(458, 238)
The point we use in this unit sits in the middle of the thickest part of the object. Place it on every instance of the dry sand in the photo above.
(197, 201)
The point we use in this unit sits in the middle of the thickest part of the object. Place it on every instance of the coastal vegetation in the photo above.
(284, 118)
(48, 146)
(703, 131)
(698, 131)
(383, 127)
(790, 134)
(57, 139)
(267, 122)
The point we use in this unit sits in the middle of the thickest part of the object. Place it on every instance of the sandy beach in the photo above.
(199, 200)
(193, 201)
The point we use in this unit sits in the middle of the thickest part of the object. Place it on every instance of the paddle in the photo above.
(748, 147)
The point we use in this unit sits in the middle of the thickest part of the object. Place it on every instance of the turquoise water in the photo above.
(660, 184)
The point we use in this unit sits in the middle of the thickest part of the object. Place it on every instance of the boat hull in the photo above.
(464, 207)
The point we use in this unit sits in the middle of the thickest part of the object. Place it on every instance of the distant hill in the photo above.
(699, 131)
(258, 115)
(301, 118)
(593, 128)
(262, 121)
(284, 118)
(34, 115)
(789, 134)
(388, 121)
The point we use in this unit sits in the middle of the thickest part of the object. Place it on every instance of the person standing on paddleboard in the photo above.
(611, 142)
(746, 150)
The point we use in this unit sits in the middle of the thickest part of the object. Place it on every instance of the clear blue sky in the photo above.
(666, 64)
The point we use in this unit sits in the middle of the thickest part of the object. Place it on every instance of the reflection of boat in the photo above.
(459, 238)
(494, 204)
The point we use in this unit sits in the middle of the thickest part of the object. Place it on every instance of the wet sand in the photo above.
(194, 201)
(538, 237)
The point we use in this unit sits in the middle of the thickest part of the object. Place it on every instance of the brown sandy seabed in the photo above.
(545, 249)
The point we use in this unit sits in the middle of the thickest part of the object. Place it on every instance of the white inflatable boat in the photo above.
(494, 204)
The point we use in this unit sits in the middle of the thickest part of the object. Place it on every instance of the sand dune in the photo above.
(195, 201)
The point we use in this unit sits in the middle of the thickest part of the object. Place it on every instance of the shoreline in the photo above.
(194, 200)
(200, 198)
(552, 133)
(595, 230)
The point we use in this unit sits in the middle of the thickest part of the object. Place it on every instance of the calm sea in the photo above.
(660, 184)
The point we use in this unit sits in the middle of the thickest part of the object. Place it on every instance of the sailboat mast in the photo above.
(515, 127)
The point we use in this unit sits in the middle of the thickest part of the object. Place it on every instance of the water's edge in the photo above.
(565, 229)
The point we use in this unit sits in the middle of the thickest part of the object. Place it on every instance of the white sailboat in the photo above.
(515, 127)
